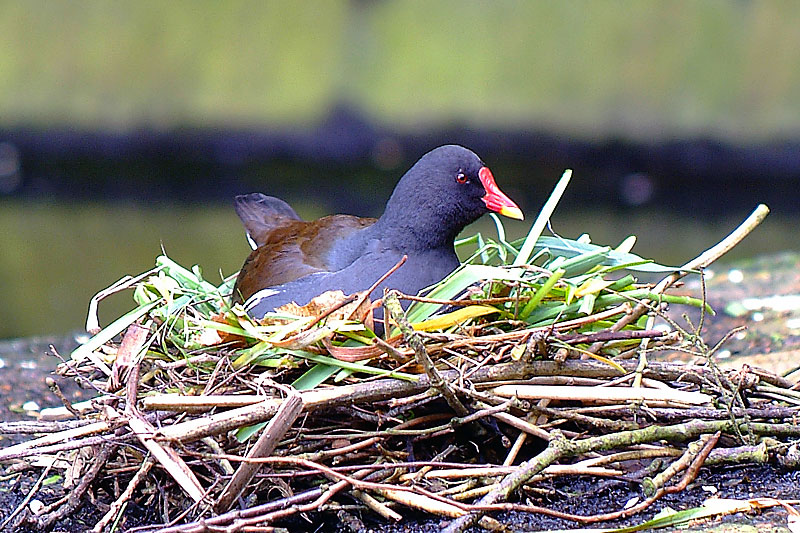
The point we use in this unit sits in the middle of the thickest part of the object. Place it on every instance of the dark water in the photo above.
(57, 255)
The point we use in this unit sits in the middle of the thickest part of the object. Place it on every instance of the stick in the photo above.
(383, 389)
(422, 357)
(76, 496)
(28, 497)
(264, 446)
(53, 438)
(120, 502)
(602, 394)
(701, 261)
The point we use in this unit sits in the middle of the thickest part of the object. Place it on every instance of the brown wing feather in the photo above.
(292, 251)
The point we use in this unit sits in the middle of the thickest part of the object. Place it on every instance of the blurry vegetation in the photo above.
(585, 68)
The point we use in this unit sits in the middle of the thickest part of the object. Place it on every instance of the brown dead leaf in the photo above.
(133, 342)
(212, 337)
(331, 304)
(319, 305)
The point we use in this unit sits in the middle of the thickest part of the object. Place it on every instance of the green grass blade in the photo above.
(581, 264)
(568, 248)
(315, 376)
(112, 330)
(356, 367)
(541, 221)
(186, 277)
(541, 292)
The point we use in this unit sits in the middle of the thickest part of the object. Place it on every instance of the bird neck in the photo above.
(409, 231)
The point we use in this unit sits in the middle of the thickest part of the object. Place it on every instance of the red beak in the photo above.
(495, 199)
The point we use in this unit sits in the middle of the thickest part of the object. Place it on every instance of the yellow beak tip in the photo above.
(512, 212)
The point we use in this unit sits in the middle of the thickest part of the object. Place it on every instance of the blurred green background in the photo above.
(81, 82)
(588, 68)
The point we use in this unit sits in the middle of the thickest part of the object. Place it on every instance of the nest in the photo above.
(534, 363)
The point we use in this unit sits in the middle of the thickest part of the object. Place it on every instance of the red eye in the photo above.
(462, 178)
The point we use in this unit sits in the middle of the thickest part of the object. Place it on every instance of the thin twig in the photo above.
(123, 498)
(436, 380)
(28, 497)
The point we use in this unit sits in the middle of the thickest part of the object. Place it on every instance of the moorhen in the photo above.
(295, 260)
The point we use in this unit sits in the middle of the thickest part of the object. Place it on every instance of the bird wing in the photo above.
(294, 250)
(419, 271)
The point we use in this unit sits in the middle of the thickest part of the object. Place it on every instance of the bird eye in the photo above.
(461, 177)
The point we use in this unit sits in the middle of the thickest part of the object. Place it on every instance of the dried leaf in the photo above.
(319, 305)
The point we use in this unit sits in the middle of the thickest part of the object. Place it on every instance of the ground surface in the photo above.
(760, 295)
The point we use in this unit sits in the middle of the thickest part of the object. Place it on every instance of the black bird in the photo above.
(294, 260)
